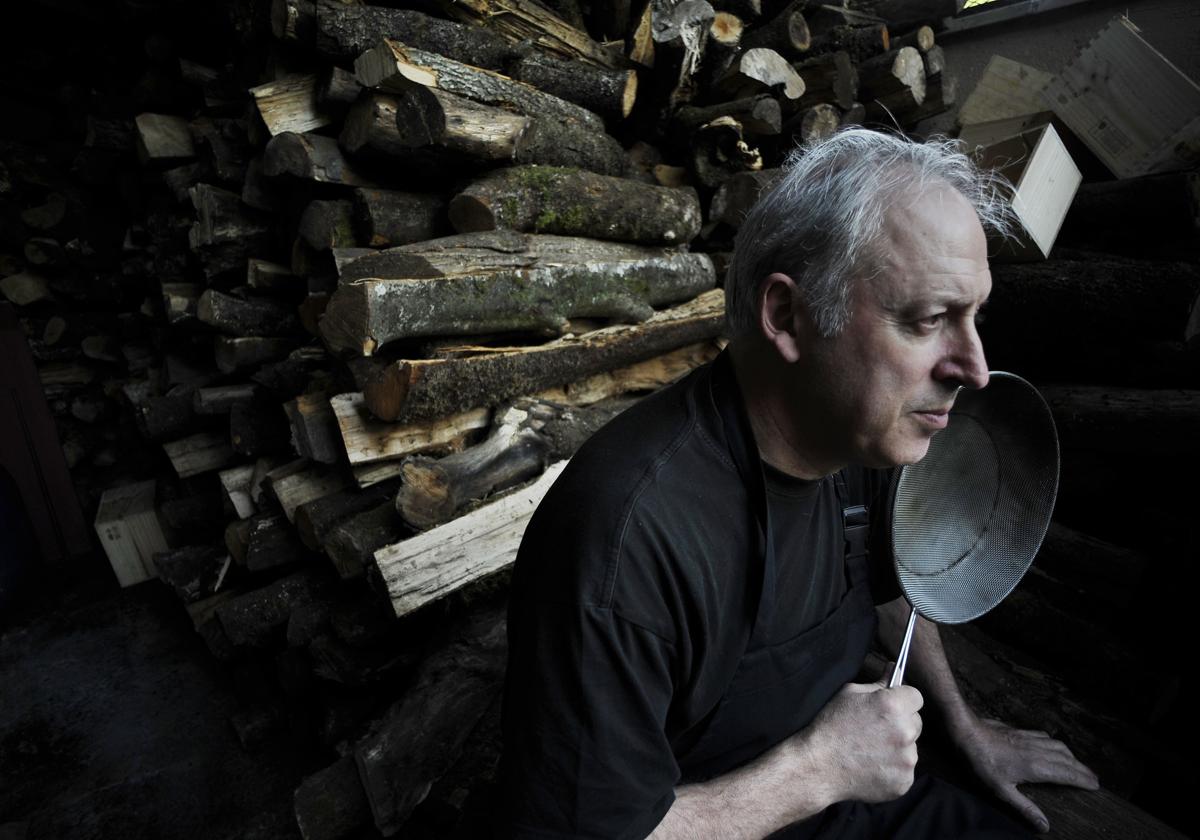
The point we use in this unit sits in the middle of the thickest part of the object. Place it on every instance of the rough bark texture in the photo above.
(609, 92)
(410, 390)
(344, 32)
(387, 218)
(571, 202)
(434, 293)
(246, 317)
(311, 157)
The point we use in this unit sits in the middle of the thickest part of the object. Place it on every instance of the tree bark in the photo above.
(411, 390)
(571, 202)
(246, 317)
(314, 428)
(311, 157)
(315, 519)
(734, 198)
(831, 77)
(608, 92)
(860, 42)
(254, 617)
(899, 72)
(442, 295)
(387, 218)
(758, 115)
(327, 224)
(352, 543)
(232, 353)
(786, 33)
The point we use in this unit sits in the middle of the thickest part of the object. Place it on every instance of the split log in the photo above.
(246, 316)
(393, 67)
(199, 453)
(738, 193)
(759, 115)
(371, 128)
(331, 803)
(786, 33)
(721, 46)
(429, 566)
(897, 72)
(232, 353)
(222, 218)
(421, 736)
(235, 481)
(861, 42)
(367, 440)
(608, 92)
(351, 544)
(327, 224)
(315, 519)
(194, 572)
(337, 89)
(297, 488)
(255, 617)
(1126, 420)
(761, 70)
(271, 543)
(524, 439)
(571, 202)
(314, 428)
(831, 78)
(169, 416)
(257, 428)
(412, 390)
(311, 157)
(602, 280)
(427, 117)
(290, 104)
(163, 139)
(519, 21)
(386, 218)
(220, 399)
(719, 152)
(269, 276)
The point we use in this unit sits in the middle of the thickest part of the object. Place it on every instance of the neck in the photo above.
(777, 402)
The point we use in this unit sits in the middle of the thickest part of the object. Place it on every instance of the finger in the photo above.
(886, 679)
(1028, 811)
(1063, 772)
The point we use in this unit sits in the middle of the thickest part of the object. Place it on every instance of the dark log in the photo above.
(941, 95)
(117, 135)
(337, 89)
(234, 353)
(1103, 572)
(922, 38)
(758, 115)
(391, 66)
(812, 124)
(435, 293)
(326, 224)
(271, 543)
(314, 520)
(194, 572)
(1137, 216)
(224, 147)
(608, 92)
(411, 390)
(895, 72)
(314, 428)
(258, 428)
(571, 202)
(268, 276)
(523, 21)
(198, 453)
(903, 15)
(293, 375)
(760, 70)
(860, 42)
(163, 139)
(167, 417)
(311, 157)
(237, 316)
(291, 487)
(720, 47)
(422, 735)
(386, 218)
(856, 114)
(786, 33)
(221, 398)
(351, 544)
(195, 518)
(331, 803)
(371, 128)
(525, 439)
(222, 218)
(719, 151)
(831, 77)
(48, 215)
(1126, 420)
(255, 617)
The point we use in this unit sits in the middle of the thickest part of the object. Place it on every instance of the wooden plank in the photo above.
(1136, 110)
(440, 561)
(130, 532)
(368, 439)
(199, 453)
(236, 483)
(1006, 89)
(290, 104)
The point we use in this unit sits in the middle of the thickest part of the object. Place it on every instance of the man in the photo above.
(694, 598)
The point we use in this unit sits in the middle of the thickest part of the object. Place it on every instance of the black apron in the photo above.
(778, 689)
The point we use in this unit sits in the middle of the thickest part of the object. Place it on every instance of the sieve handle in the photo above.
(902, 656)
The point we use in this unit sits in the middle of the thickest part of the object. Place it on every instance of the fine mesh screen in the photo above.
(970, 516)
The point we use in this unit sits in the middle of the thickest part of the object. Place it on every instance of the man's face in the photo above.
(892, 373)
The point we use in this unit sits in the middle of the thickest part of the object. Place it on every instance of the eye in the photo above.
(929, 322)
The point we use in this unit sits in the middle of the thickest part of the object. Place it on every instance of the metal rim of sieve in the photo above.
(968, 518)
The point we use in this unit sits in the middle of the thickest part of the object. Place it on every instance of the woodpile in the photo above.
(387, 269)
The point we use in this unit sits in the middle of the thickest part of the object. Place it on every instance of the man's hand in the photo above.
(1004, 757)
(865, 739)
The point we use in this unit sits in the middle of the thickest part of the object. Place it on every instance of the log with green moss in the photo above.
(571, 202)
(501, 281)
(410, 390)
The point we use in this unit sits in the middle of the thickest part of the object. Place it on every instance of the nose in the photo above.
(963, 364)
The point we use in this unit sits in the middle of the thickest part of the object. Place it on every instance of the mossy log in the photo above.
(311, 157)
(412, 390)
(386, 218)
(608, 92)
(524, 439)
(421, 736)
(443, 294)
(522, 21)
(394, 67)
(572, 202)
(246, 316)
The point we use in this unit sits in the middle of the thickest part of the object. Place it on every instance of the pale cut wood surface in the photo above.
(199, 453)
(235, 481)
(368, 440)
(290, 104)
(440, 561)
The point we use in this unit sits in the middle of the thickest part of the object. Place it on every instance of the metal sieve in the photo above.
(969, 517)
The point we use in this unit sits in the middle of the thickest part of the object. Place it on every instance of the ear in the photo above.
(780, 317)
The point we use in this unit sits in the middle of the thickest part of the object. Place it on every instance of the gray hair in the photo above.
(821, 222)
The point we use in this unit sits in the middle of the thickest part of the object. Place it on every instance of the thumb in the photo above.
(887, 675)
(1025, 807)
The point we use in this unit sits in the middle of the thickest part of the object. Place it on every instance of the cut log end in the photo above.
(425, 498)
(471, 214)
(386, 393)
(629, 95)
